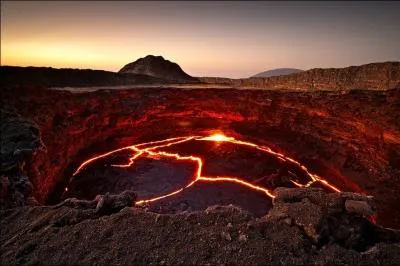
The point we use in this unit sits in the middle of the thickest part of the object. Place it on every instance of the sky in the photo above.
(227, 39)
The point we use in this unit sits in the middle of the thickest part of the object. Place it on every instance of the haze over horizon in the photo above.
(227, 39)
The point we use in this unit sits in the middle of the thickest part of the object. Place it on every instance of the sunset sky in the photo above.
(230, 39)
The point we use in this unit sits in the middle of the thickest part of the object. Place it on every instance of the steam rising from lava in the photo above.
(153, 150)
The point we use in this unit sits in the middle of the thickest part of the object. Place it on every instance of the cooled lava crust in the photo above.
(351, 139)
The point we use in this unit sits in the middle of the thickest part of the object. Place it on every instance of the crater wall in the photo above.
(351, 138)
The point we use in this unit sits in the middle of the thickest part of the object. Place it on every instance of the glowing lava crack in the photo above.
(152, 149)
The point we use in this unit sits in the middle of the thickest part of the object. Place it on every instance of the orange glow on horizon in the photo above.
(205, 39)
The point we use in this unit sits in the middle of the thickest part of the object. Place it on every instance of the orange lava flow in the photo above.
(152, 149)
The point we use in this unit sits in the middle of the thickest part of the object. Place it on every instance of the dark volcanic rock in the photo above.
(333, 217)
(157, 66)
(20, 139)
(218, 235)
(108, 204)
(359, 207)
(103, 204)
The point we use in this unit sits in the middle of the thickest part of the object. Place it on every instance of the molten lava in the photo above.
(153, 150)
(218, 138)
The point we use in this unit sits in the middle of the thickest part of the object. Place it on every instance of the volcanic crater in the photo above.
(161, 179)
(350, 140)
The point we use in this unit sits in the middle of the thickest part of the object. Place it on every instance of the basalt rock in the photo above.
(330, 217)
(68, 234)
(108, 204)
(359, 207)
(102, 204)
(20, 139)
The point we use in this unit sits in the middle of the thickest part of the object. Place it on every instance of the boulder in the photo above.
(359, 207)
(102, 204)
(343, 218)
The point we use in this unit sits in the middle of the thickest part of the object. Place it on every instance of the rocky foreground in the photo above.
(305, 226)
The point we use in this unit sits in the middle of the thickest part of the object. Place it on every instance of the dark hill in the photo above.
(157, 66)
(148, 70)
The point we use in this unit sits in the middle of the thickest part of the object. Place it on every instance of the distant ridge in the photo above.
(376, 76)
(277, 72)
(68, 77)
(148, 70)
(158, 67)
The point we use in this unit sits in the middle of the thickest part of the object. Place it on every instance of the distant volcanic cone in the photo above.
(157, 66)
